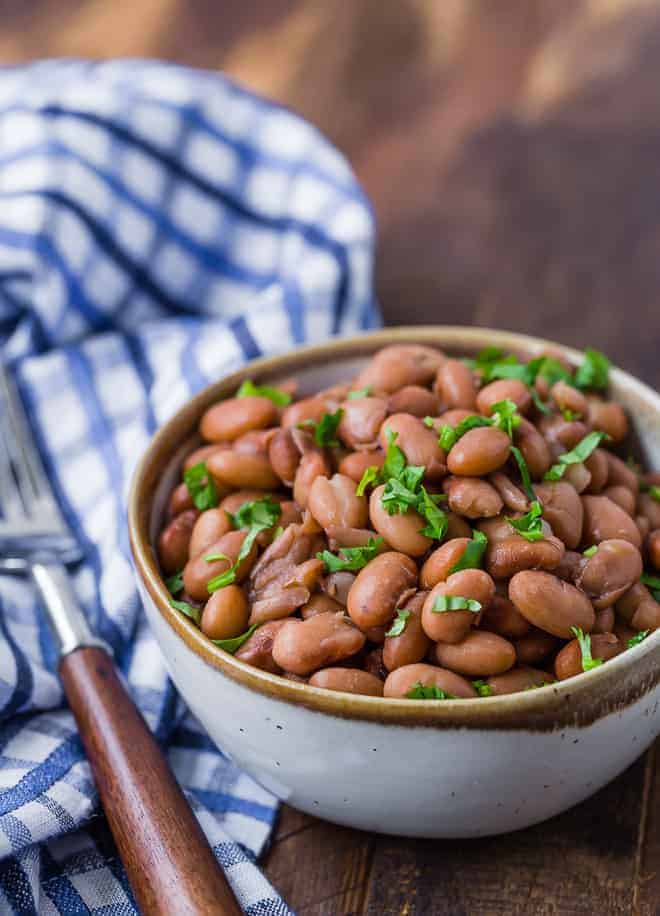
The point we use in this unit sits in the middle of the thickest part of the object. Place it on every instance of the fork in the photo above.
(169, 863)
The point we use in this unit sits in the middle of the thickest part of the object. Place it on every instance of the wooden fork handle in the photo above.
(169, 862)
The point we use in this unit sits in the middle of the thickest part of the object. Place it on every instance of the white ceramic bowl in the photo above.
(457, 768)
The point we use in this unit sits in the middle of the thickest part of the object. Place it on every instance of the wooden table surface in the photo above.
(512, 152)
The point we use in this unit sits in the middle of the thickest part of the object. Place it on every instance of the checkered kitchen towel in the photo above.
(143, 207)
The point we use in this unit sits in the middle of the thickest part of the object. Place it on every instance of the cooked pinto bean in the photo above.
(568, 662)
(415, 400)
(454, 384)
(566, 397)
(242, 471)
(503, 617)
(653, 548)
(309, 410)
(412, 644)
(305, 646)
(361, 422)
(400, 365)
(355, 464)
(257, 650)
(453, 626)
(480, 654)
(418, 443)
(604, 621)
(284, 455)
(608, 417)
(226, 421)
(401, 532)
(644, 525)
(563, 510)
(209, 528)
(639, 608)
(312, 465)
(534, 448)
(378, 589)
(234, 501)
(551, 604)
(610, 572)
(402, 681)
(598, 467)
(334, 502)
(650, 508)
(570, 567)
(255, 442)
(348, 680)
(479, 452)
(457, 527)
(180, 500)
(504, 390)
(225, 614)
(578, 476)
(198, 572)
(513, 498)
(619, 473)
(512, 554)
(623, 497)
(534, 647)
(320, 603)
(604, 520)
(560, 434)
(518, 679)
(338, 585)
(472, 497)
(439, 564)
(174, 542)
(199, 455)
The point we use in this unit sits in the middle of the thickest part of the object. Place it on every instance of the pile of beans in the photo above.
(435, 528)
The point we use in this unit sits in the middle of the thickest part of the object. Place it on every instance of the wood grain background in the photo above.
(512, 152)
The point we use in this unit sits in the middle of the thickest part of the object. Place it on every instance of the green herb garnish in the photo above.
(594, 371)
(212, 557)
(399, 623)
(577, 455)
(584, 641)
(449, 435)
(249, 390)
(473, 554)
(360, 393)
(201, 487)
(637, 638)
(570, 415)
(653, 583)
(505, 416)
(483, 688)
(436, 519)
(529, 525)
(590, 551)
(370, 476)
(175, 583)
(195, 613)
(429, 421)
(233, 645)
(525, 476)
(256, 516)
(420, 691)
(455, 603)
(351, 558)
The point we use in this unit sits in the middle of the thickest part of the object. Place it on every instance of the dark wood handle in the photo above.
(169, 862)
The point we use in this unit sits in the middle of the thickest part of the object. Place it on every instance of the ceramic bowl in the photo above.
(456, 768)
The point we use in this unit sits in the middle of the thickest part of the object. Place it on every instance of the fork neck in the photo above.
(65, 615)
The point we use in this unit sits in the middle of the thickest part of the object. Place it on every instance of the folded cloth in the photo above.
(145, 209)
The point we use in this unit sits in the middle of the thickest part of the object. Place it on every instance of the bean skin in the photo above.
(639, 608)
(312, 465)
(209, 528)
(566, 397)
(284, 455)
(225, 614)
(534, 448)
(378, 588)
(355, 464)
(512, 497)
(503, 617)
(242, 471)
(610, 572)
(604, 520)
(518, 679)
(320, 603)
(454, 384)
(618, 472)
(653, 548)
(401, 681)
(479, 452)
(472, 497)
(417, 442)
(334, 502)
(399, 365)
(623, 497)
(513, 554)
(234, 501)
(604, 621)
(302, 647)
(550, 603)
(609, 417)
(439, 564)
(412, 644)
(361, 422)
(453, 626)
(457, 527)
(198, 573)
(174, 541)
(348, 680)
(180, 500)
(598, 467)
(480, 654)
(257, 650)
(199, 455)
(307, 410)
(226, 421)
(563, 510)
(401, 532)
(503, 390)
(338, 585)
(534, 647)
(415, 400)
(568, 662)
(650, 508)
(560, 434)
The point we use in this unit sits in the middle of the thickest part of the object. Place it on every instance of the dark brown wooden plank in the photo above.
(646, 892)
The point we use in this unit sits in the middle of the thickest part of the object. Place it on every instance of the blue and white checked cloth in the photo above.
(142, 209)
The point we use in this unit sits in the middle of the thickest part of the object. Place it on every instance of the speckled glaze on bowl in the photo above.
(457, 768)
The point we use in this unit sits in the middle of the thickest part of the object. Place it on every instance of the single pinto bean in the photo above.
(415, 400)
(472, 497)
(610, 572)
(209, 528)
(572, 564)
(604, 621)
(402, 532)
(619, 473)
(361, 422)
(650, 508)
(457, 527)
(234, 501)
(551, 604)
(609, 417)
(512, 554)
(230, 419)
(305, 646)
(199, 455)
(334, 502)
(480, 654)
(604, 521)
(454, 384)
(378, 589)
(578, 476)
(503, 617)
(534, 448)
(284, 455)
(258, 649)
(563, 510)
(320, 603)
(513, 498)
(174, 542)
(452, 626)
(338, 585)
(623, 497)
(198, 572)
(418, 443)
(355, 464)
(479, 451)
(653, 548)
(504, 390)
(399, 365)
(308, 410)
(568, 662)
(534, 647)
(243, 470)
(518, 679)
(439, 564)
(643, 525)
(400, 682)
(412, 644)
(312, 465)
(598, 467)
(255, 442)
(560, 434)
(639, 608)
(566, 397)
(348, 680)
(225, 614)
(180, 500)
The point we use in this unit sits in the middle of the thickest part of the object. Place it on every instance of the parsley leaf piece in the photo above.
(264, 512)
(399, 623)
(524, 472)
(175, 583)
(473, 554)
(201, 487)
(483, 689)
(486, 357)
(594, 370)
(212, 557)
(195, 613)
(436, 519)
(505, 416)
(224, 579)
(395, 460)
(654, 492)
(449, 435)
(278, 531)
(529, 525)
(360, 393)
(370, 476)
(447, 438)
(653, 583)
(584, 641)
(570, 415)
(325, 431)
(455, 603)
(420, 691)
(580, 453)
(639, 637)
(249, 390)
(553, 371)
(538, 403)
(233, 645)
(397, 498)
(351, 558)
(590, 551)
(429, 421)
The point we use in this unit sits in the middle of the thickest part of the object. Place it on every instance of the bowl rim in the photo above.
(575, 701)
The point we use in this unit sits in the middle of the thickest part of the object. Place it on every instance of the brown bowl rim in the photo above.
(576, 701)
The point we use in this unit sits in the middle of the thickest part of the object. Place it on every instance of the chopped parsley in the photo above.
(584, 642)
(449, 435)
(233, 645)
(637, 638)
(256, 516)
(483, 688)
(653, 583)
(455, 603)
(580, 453)
(212, 557)
(399, 623)
(505, 416)
(351, 558)
(429, 421)
(570, 415)
(590, 551)
(249, 390)
(369, 478)
(195, 613)
(360, 393)
(473, 554)
(524, 472)
(175, 583)
(653, 490)
(594, 370)
(529, 525)
(420, 691)
(325, 431)
(201, 487)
